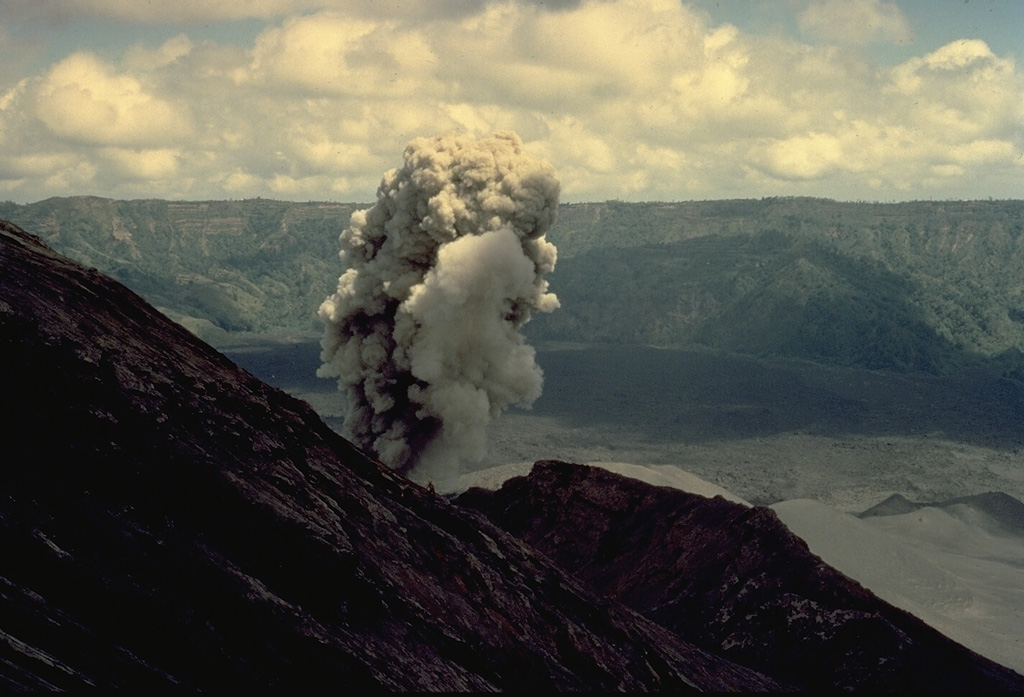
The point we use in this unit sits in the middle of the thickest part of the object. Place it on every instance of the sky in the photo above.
(632, 100)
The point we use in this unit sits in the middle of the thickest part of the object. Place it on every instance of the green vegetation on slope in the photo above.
(923, 286)
(917, 286)
(255, 265)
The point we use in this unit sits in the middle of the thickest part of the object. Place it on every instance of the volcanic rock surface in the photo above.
(730, 578)
(168, 520)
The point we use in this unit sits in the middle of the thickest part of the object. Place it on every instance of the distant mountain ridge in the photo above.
(1005, 511)
(919, 286)
(217, 266)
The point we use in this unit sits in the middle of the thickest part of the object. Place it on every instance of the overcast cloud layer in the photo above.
(635, 100)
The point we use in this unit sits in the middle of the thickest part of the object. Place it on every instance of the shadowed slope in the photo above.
(167, 519)
(730, 578)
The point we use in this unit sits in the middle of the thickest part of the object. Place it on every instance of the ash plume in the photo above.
(422, 333)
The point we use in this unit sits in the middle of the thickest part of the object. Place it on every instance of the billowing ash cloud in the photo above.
(443, 271)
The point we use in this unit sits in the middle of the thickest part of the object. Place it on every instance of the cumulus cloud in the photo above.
(158, 163)
(335, 54)
(86, 101)
(141, 58)
(855, 21)
(422, 333)
(642, 99)
(152, 13)
(195, 11)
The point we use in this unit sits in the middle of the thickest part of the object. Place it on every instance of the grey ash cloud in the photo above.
(422, 333)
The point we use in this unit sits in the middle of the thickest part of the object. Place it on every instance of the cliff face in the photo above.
(252, 265)
(731, 579)
(167, 519)
(926, 286)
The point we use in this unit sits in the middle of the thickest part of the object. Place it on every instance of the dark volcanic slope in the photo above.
(167, 519)
(732, 579)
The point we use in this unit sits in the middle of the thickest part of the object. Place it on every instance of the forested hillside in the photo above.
(255, 265)
(911, 286)
(922, 286)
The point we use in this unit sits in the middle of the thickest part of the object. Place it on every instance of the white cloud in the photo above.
(961, 92)
(807, 156)
(197, 11)
(142, 58)
(958, 54)
(333, 54)
(981, 152)
(20, 167)
(162, 12)
(637, 98)
(950, 63)
(855, 21)
(161, 163)
(601, 53)
(84, 100)
(78, 176)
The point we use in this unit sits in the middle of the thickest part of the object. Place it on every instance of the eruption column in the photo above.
(422, 333)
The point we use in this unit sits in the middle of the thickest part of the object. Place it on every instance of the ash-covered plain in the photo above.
(766, 430)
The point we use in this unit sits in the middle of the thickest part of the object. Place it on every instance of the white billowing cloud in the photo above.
(806, 156)
(949, 65)
(21, 166)
(442, 272)
(77, 176)
(158, 163)
(855, 21)
(601, 53)
(962, 88)
(328, 146)
(641, 99)
(164, 12)
(196, 11)
(982, 151)
(140, 58)
(963, 104)
(334, 54)
(86, 101)
(958, 54)
(925, 124)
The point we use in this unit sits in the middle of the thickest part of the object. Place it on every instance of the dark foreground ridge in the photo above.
(167, 519)
(732, 579)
